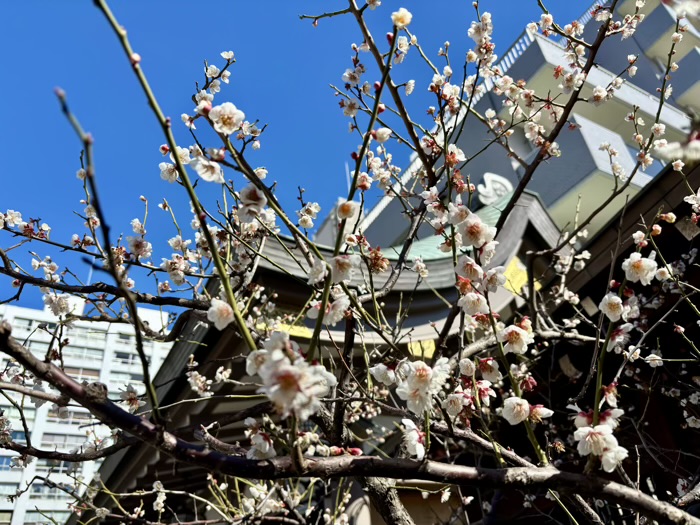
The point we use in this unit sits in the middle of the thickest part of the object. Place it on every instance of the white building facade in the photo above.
(97, 352)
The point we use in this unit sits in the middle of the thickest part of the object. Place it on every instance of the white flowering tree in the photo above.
(478, 418)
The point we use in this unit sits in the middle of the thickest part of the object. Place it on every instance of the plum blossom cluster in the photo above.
(261, 441)
(599, 441)
(335, 310)
(12, 219)
(294, 385)
(516, 410)
(416, 382)
(481, 32)
(198, 382)
(308, 214)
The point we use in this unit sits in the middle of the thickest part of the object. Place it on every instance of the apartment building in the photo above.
(96, 352)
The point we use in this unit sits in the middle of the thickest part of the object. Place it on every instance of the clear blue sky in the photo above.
(283, 70)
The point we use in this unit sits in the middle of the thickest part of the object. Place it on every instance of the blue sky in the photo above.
(282, 76)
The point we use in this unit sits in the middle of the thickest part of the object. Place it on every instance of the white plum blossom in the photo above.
(600, 95)
(401, 18)
(176, 267)
(599, 441)
(654, 359)
(57, 303)
(420, 267)
(664, 273)
(413, 439)
(454, 155)
(381, 135)
(220, 313)
(612, 457)
(609, 417)
(515, 410)
(484, 391)
(489, 369)
(177, 243)
(467, 367)
(168, 172)
(455, 402)
(227, 119)
(353, 76)
(335, 311)
(343, 267)
(137, 227)
(294, 387)
(207, 170)
(473, 303)
(611, 305)
(140, 247)
(494, 278)
(487, 252)
(469, 269)
(516, 339)
(250, 195)
(457, 213)
(261, 446)
(475, 233)
(348, 210)
(12, 218)
(421, 383)
(383, 374)
(131, 399)
(318, 272)
(539, 412)
(594, 440)
(639, 269)
(255, 360)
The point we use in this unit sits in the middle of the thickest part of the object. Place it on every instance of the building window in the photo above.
(8, 489)
(38, 347)
(25, 324)
(83, 354)
(5, 517)
(57, 467)
(126, 358)
(72, 417)
(18, 436)
(5, 462)
(124, 339)
(62, 441)
(82, 374)
(41, 491)
(13, 413)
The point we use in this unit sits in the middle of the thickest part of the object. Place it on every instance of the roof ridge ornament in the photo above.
(493, 188)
